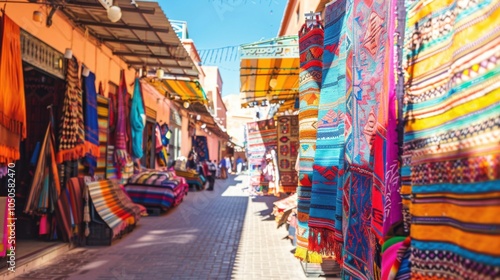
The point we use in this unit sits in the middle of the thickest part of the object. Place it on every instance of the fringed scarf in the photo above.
(311, 52)
(328, 161)
(72, 144)
(137, 120)
(12, 103)
(91, 123)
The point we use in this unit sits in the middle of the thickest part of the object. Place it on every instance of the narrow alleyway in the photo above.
(211, 235)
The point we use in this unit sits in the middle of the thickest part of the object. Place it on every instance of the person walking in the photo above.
(212, 169)
(228, 165)
(217, 169)
(239, 165)
(223, 169)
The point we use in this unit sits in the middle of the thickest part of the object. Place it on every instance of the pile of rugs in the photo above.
(159, 189)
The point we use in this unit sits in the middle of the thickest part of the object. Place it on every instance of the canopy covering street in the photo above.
(180, 90)
(269, 71)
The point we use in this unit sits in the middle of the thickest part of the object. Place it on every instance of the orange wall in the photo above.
(62, 35)
(157, 102)
(294, 15)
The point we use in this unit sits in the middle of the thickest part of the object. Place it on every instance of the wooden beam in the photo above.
(149, 55)
(136, 42)
(149, 11)
(122, 26)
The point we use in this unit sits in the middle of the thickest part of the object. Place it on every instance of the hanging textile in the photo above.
(45, 187)
(329, 157)
(123, 162)
(103, 122)
(91, 123)
(200, 146)
(72, 143)
(137, 121)
(70, 211)
(12, 103)
(161, 151)
(4, 229)
(288, 150)
(311, 52)
(262, 137)
(451, 159)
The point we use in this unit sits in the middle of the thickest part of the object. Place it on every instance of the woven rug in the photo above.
(103, 120)
(72, 131)
(112, 206)
(192, 178)
(262, 136)
(288, 151)
(200, 145)
(329, 157)
(91, 123)
(70, 211)
(451, 160)
(311, 52)
(369, 59)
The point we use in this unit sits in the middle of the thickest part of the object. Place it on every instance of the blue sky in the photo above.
(221, 23)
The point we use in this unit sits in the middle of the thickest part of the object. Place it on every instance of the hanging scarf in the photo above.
(311, 51)
(12, 103)
(72, 132)
(329, 157)
(137, 120)
(91, 123)
(123, 162)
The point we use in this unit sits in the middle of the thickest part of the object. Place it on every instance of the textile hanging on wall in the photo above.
(91, 123)
(369, 34)
(103, 120)
(122, 160)
(311, 53)
(262, 137)
(12, 103)
(200, 146)
(451, 159)
(137, 121)
(72, 143)
(329, 157)
(45, 187)
(288, 150)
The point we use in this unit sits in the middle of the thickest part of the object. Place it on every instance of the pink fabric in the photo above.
(388, 258)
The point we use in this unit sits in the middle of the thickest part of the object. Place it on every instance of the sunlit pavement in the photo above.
(224, 234)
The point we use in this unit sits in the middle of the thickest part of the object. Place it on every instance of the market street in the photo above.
(211, 235)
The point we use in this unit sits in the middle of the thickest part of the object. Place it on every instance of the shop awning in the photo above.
(269, 71)
(142, 37)
(205, 117)
(181, 90)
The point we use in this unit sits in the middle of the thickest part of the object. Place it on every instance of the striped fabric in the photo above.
(113, 205)
(4, 230)
(262, 136)
(156, 189)
(451, 160)
(70, 211)
(311, 52)
(102, 115)
(329, 158)
(192, 178)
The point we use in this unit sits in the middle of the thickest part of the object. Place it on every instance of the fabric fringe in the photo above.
(8, 154)
(14, 126)
(322, 241)
(78, 152)
(337, 252)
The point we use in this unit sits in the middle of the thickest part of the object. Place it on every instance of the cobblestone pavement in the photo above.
(222, 234)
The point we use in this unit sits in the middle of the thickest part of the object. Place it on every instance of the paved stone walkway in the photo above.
(222, 234)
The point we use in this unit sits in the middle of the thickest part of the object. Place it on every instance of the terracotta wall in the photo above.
(62, 35)
(157, 102)
(293, 16)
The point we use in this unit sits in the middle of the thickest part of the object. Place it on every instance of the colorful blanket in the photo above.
(113, 205)
(201, 147)
(329, 157)
(192, 178)
(451, 160)
(123, 162)
(137, 120)
(12, 97)
(262, 137)
(70, 211)
(288, 151)
(311, 52)
(156, 189)
(4, 229)
(72, 143)
(103, 119)
(91, 123)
